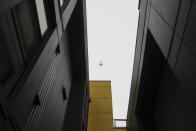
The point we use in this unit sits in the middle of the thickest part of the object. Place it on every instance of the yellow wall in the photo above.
(100, 116)
(119, 130)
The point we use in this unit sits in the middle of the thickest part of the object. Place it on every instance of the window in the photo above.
(41, 16)
(6, 66)
(28, 27)
(63, 4)
(11, 63)
(35, 26)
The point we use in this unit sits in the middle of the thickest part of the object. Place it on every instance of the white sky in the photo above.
(112, 27)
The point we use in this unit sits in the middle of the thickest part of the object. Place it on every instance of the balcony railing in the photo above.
(119, 123)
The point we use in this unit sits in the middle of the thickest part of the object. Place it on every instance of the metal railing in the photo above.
(119, 123)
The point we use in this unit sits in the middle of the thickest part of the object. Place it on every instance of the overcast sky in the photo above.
(112, 28)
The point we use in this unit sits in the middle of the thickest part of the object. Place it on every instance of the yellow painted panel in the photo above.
(100, 116)
(100, 92)
(105, 116)
(100, 83)
(119, 130)
(100, 106)
(100, 122)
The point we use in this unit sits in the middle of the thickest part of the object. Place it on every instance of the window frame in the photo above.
(43, 38)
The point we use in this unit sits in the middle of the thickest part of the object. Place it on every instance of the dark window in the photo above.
(34, 19)
(11, 63)
(6, 66)
(28, 25)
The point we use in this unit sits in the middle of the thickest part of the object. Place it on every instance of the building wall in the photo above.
(100, 116)
(43, 77)
(171, 25)
(100, 107)
(119, 130)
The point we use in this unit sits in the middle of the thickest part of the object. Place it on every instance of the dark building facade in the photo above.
(163, 90)
(44, 65)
